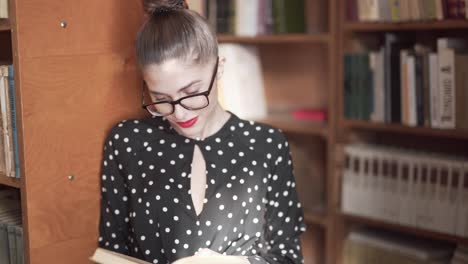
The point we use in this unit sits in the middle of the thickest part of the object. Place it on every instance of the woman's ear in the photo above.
(221, 62)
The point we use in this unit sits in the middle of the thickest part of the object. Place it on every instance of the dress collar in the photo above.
(224, 132)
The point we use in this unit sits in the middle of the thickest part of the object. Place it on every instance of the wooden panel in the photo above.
(296, 78)
(68, 105)
(92, 26)
(313, 245)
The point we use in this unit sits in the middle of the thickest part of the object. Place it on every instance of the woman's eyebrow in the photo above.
(180, 90)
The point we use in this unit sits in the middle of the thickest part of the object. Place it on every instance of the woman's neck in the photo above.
(219, 118)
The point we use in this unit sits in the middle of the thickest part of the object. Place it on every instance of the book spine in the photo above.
(351, 10)
(462, 209)
(461, 9)
(395, 10)
(12, 244)
(347, 85)
(452, 9)
(433, 83)
(11, 82)
(447, 89)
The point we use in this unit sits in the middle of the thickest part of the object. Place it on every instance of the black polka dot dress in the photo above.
(251, 207)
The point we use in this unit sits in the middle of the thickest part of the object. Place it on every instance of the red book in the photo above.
(310, 114)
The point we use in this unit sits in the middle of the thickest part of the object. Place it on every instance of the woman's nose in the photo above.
(179, 112)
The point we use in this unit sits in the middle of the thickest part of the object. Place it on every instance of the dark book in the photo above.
(288, 16)
(351, 10)
(461, 9)
(347, 85)
(418, 72)
(392, 89)
(452, 9)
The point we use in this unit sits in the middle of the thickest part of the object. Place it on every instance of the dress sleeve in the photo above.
(284, 215)
(113, 223)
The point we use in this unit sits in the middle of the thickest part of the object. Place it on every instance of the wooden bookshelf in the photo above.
(5, 24)
(405, 26)
(316, 217)
(405, 229)
(319, 129)
(403, 129)
(423, 138)
(10, 181)
(272, 39)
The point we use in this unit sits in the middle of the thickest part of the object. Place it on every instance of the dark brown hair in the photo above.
(174, 32)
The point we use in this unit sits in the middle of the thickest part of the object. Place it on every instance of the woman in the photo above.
(194, 178)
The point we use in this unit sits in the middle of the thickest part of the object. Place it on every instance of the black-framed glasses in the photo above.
(191, 102)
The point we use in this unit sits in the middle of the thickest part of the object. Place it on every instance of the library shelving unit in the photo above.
(453, 141)
(298, 72)
(75, 76)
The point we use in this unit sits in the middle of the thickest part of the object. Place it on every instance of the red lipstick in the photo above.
(188, 123)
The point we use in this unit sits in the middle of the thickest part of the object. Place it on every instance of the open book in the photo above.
(104, 256)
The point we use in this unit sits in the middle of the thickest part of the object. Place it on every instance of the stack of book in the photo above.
(253, 17)
(377, 246)
(410, 84)
(461, 255)
(405, 10)
(9, 158)
(11, 231)
(407, 187)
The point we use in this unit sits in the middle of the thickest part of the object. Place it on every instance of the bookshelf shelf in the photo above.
(405, 229)
(288, 124)
(315, 217)
(402, 26)
(398, 128)
(5, 24)
(9, 181)
(321, 38)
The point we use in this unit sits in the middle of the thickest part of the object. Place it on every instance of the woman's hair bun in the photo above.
(160, 6)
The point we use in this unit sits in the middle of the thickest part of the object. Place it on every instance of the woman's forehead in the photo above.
(175, 66)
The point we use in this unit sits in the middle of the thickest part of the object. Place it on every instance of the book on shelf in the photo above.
(405, 10)
(105, 256)
(10, 155)
(11, 231)
(409, 84)
(4, 9)
(407, 187)
(253, 18)
(367, 245)
(242, 76)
